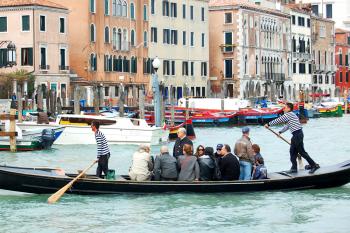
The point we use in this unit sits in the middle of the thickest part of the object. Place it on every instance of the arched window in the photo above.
(105, 64)
(125, 9)
(92, 6)
(114, 8)
(125, 64)
(106, 7)
(93, 62)
(106, 34)
(145, 39)
(245, 64)
(145, 15)
(110, 63)
(257, 65)
(125, 40)
(132, 69)
(120, 64)
(135, 65)
(132, 11)
(115, 60)
(119, 39)
(119, 8)
(132, 38)
(114, 38)
(92, 33)
(294, 45)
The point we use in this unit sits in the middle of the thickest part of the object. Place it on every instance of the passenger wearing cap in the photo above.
(180, 142)
(217, 154)
(243, 150)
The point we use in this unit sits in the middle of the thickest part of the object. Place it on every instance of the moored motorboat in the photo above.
(117, 130)
(328, 111)
(32, 140)
(48, 181)
(258, 115)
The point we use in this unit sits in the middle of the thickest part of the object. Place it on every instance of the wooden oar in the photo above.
(57, 195)
(300, 161)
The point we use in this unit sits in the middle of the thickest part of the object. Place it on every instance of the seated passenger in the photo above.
(188, 165)
(259, 169)
(199, 151)
(218, 151)
(229, 165)
(206, 164)
(142, 165)
(165, 166)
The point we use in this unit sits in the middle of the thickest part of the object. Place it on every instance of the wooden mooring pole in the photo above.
(12, 133)
(142, 103)
(20, 105)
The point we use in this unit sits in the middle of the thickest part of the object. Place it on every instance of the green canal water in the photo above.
(326, 140)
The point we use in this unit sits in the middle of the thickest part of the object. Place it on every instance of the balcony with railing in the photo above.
(44, 67)
(332, 68)
(63, 68)
(125, 46)
(274, 77)
(121, 46)
(302, 56)
(227, 48)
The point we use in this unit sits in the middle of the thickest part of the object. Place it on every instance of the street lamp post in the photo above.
(156, 92)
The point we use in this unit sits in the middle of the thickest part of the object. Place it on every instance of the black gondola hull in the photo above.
(46, 182)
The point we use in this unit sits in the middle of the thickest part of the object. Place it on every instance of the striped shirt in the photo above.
(102, 145)
(290, 119)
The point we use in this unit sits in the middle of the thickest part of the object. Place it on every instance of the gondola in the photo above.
(47, 181)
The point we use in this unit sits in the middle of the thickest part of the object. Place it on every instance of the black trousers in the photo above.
(102, 165)
(297, 147)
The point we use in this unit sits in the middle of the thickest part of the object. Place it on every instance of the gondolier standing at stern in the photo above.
(103, 152)
(297, 145)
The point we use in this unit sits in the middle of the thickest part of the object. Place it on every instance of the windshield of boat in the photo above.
(84, 121)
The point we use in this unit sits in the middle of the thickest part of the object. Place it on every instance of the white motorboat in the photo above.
(117, 130)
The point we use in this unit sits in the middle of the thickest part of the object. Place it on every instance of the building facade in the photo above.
(336, 10)
(323, 48)
(249, 51)
(109, 43)
(179, 37)
(39, 29)
(342, 59)
(301, 50)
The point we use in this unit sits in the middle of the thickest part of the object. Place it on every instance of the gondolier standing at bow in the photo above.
(297, 145)
(103, 152)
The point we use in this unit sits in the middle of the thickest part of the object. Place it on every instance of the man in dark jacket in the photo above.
(165, 166)
(180, 142)
(229, 165)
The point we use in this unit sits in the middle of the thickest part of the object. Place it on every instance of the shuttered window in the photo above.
(3, 57)
(27, 56)
(42, 23)
(3, 24)
(25, 23)
(62, 25)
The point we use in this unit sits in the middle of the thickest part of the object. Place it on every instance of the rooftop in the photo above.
(243, 4)
(45, 3)
(341, 31)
